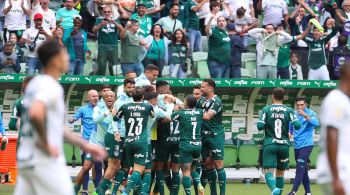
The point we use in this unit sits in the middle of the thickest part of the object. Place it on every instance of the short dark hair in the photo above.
(138, 94)
(151, 95)
(300, 98)
(106, 86)
(197, 87)
(191, 101)
(128, 80)
(280, 26)
(48, 50)
(174, 4)
(342, 40)
(278, 93)
(210, 82)
(148, 88)
(151, 67)
(161, 83)
(269, 24)
(240, 11)
(214, 4)
(8, 44)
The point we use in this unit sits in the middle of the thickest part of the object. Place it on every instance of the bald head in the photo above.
(92, 96)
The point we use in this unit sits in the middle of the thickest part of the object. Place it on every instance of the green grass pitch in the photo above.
(231, 189)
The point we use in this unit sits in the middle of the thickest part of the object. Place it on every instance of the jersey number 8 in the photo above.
(278, 128)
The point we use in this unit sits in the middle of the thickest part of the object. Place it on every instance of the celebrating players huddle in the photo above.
(185, 133)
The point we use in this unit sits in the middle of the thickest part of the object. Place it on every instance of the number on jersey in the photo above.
(138, 127)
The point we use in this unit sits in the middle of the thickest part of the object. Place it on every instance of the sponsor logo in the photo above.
(216, 151)
(228, 82)
(303, 83)
(218, 82)
(272, 82)
(182, 82)
(258, 82)
(226, 122)
(118, 81)
(241, 82)
(7, 77)
(286, 83)
(21, 78)
(195, 82)
(102, 79)
(72, 79)
(330, 84)
(139, 155)
(341, 60)
(88, 79)
(285, 160)
(317, 83)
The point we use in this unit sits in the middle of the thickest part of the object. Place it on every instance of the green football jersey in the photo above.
(17, 111)
(168, 133)
(212, 127)
(274, 120)
(136, 117)
(190, 122)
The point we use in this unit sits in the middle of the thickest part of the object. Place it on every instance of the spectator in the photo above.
(128, 75)
(153, 7)
(328, 28)
(15, 17)
(303, 143)
(182, 10)
(2, 16)
(16, 48)
(58, 35)
(178, 53)
(295, 71)
(132, 47)
(148, 77)
(144, 20)
(75, 39)
(274, 11)
(171, 23)
(268, 43)
(243, 23)
(237, 48)
(299, 20)
(215, 10)
(34, 37)
(157, 53)
(88, 19)
(9, 62)
(107, 30)
(49, 20)
(234, 5)
(193, 28)
(219, 54)
(342, 15)
(65, 15)
(342, 50)
(317, 60)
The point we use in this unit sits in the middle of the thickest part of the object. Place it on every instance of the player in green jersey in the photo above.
(213, 137)
(274, 121)
(17, 111)
(136, 116)
(103, 117)
(190, 122)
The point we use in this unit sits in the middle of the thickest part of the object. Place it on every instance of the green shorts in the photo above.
(149, 159)
(113, 147)
(189, 152)
(166, 152)
(213, 147)
(276, 156)
(136, 153)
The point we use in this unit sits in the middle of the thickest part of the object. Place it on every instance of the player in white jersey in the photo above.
(334, 160)
(40, 157)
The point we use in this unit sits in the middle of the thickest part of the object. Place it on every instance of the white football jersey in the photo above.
(335, 112)
(47, 90)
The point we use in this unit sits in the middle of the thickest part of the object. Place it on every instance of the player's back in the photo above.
(47, 90)
(190, 122)
(276, 119)
(136, 117)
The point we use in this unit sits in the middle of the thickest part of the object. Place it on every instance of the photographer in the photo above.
(107, 30)
(171, 23)
(33, 37)
(8, 60)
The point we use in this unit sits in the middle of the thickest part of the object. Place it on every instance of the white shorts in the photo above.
(44, 180)
(327, 189)
(319, 74)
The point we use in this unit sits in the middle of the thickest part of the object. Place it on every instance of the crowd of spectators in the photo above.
(292, 39)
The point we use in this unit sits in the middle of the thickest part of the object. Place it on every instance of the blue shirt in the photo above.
(304, 136)
(85, 113)
(2, 129)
